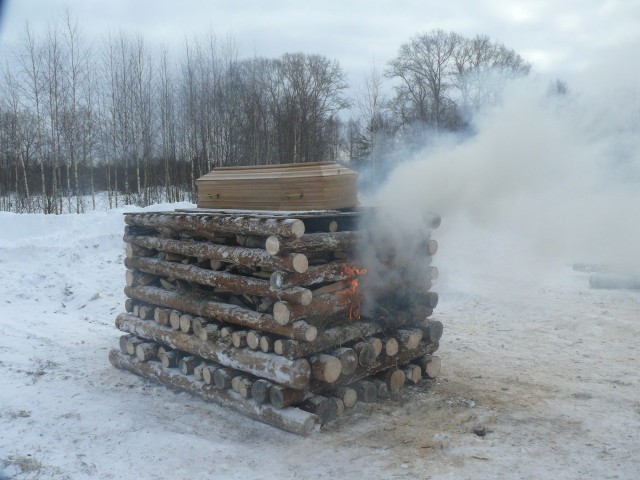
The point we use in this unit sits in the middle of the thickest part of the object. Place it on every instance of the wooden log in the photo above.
(209, 333)
(197, 324)
(431, 329)
(170, 359)
(329, 338)
(325, 368)
(242, 385)
(197, 371)
(430, 247)
(223, 312)
(328, 273)
(248, 257)
(288, 228)
(135, 251)
(430, 365)
(253, 339)
(186, 323)
(281, 396)
(348, 359)
(239, 338)
(321, 406)
(223, 377)
(390, 346)
(431, 273)
(339, 405)
(311, 243)
(382, 390)
(367, 391)
(394, 378)
(128, 305)
(174, 319)
(134, 277)
(266, 343)
(348, 396)
(366, 354)
(161, 316)
(409, 339)
(322, 306)
(224, 280)
(412, 372)
(146, 351)
(292, 373)
(187, 364)
(428, 299)
(132, 343)
(123, 340)
(290, 419)
(208, 374)
(260, 390)
(376, 343)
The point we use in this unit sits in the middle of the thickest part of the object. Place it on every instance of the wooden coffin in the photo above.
(297, 186)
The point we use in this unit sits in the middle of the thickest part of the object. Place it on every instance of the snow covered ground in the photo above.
(545, 364)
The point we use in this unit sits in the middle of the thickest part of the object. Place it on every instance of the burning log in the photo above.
(196, 305)
(322, 307)
(290, 419)
(288, 228)
(227, 281)
(248, 257)
(311, 243)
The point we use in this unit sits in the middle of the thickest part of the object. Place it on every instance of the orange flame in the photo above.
(353, 294)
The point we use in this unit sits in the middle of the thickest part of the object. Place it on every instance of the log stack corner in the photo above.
(254, 310)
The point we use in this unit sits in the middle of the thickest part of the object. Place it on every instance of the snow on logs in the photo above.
(259, 311)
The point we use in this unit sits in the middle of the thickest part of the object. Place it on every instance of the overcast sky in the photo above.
(559, 37)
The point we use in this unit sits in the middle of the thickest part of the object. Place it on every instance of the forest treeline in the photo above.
(129, 119)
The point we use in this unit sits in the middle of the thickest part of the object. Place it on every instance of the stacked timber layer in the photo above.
(260, 312)
(297, 186)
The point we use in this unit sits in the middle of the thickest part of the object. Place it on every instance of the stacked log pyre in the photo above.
(261, 312)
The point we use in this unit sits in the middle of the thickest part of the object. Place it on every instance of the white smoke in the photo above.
(559, 175)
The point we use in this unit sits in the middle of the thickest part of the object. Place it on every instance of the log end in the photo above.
(300, 262)
(272, 245)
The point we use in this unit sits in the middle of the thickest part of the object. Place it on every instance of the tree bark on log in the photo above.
(330, 272)
(223, 312)
(233, 283)
(248, 257)
(290, 419)
(321, 307)
(295, 374)
(311, 243)
(288, 228)
(331, 337)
